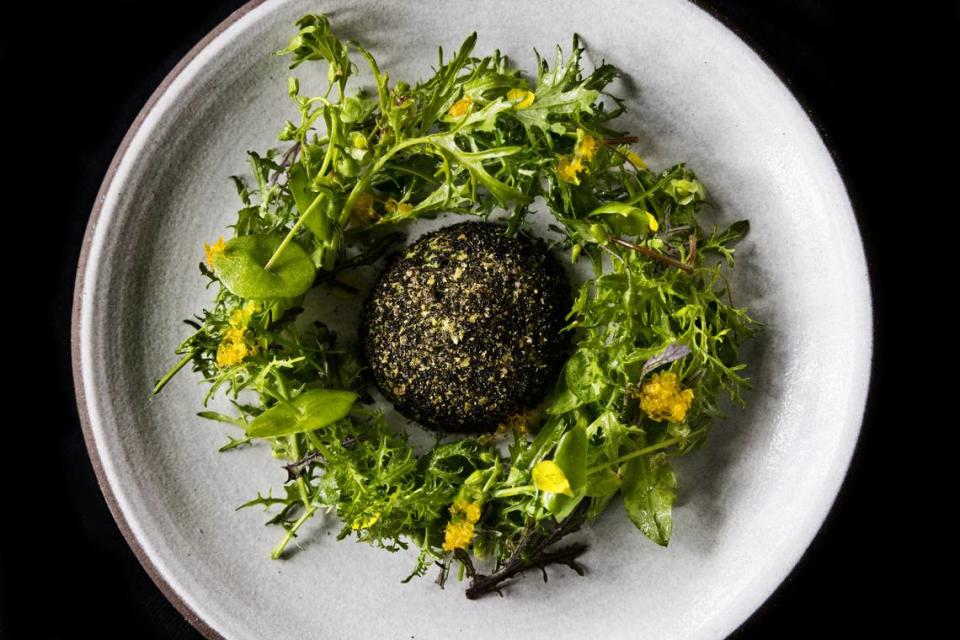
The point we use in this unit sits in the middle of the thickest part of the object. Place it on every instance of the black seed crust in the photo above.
(463, 329)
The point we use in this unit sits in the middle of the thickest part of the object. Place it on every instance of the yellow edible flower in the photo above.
(461, 107)
(516, 423)
(468, 511)
(457, 535)
(215, 251)
(525, 97)
(636, 160)
(363, 212)
(548, 476)
(234, 348)
(662, 399)
(568, 169)
(240, 318)
(365, 523)
(402, 208)
(652, 222)
(459, 531)
(587, 146)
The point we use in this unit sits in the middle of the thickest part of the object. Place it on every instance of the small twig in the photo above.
(441, 580)
(621, 140)
(650, 253)
(692, 258)
(482, 585)
(285, 162)
(294, 468)
(464, 558)
(672, 231)
(531, 553)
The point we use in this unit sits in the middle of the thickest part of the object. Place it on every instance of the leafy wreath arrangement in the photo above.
(655, 331)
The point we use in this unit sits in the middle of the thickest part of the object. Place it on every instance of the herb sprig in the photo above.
(657, 334)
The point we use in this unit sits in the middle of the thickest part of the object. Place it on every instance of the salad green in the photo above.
(656, 332)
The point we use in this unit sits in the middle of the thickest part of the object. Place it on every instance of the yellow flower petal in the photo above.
(215, 251)
(402, 208)
(365, 523)
(234, 348)
(230, 354)
(662, 399)
(636, 160)
(568, 169)
(469, 511)
(652, 222)
(461, 107)
(525, 97)
(587, 146)
(457, 535)
(548, 476)
(240, 318)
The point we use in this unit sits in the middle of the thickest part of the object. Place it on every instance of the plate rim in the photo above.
(156, 576)
(93, 452)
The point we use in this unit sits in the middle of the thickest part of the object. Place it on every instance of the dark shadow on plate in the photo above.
(704, 475)
(321, 529)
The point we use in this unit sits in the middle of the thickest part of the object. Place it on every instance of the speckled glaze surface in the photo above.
(749, 503)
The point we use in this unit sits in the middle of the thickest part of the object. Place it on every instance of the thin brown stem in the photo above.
(285, 162)
(692, 258)
(621, 140)
(653, 255)
(294, 468)
(531, 553)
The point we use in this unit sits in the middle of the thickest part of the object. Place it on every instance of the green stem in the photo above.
(280, 395)
(169, 375)
(318, 445)
(331, 147)
(654, 255)
(361, 186)
(364, 182)
(492, 479)
(527, 489)
(645, 451)
(291, 533)
(301, 483)
(327, 159)
(293, 231)
(281, 386)
(656, 186)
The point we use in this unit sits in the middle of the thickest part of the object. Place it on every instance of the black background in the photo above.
(871, 79)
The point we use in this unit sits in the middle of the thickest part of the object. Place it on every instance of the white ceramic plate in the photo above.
(750, 503)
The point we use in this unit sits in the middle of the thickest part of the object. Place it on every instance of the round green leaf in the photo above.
(240, 268)
(310, 410)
